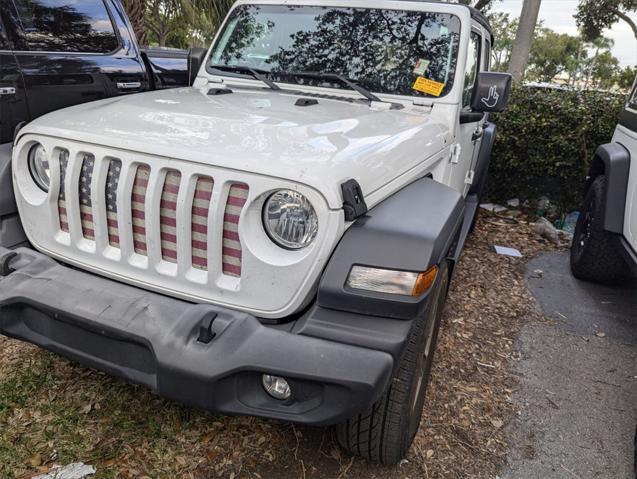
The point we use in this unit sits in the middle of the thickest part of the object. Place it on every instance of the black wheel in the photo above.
(384, 432)
(595, 253)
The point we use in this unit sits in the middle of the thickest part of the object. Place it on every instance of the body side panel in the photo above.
(628, 138)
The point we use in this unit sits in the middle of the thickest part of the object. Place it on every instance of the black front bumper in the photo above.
(337, 363)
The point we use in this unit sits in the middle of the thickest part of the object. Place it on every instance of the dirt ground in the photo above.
(53, 411)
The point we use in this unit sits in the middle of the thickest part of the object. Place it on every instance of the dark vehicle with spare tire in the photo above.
(605, 241)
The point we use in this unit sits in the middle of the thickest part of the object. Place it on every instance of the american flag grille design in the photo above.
(119, 232)
(64, 222)
(168, 216)
(138, 209)
(112, 182)
(200, 211)
(232, 252)
(86, 205)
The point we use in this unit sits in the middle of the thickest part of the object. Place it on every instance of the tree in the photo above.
(553, 53)
(605, 69)
(163, 19)
(524, 38)
(478, 4)
(593, 16)
(504, 29)
(206, 17)
(599, 46)
(626, 77)
(135, 10)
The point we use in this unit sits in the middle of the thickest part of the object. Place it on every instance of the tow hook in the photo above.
(206, 334)
(5, 262)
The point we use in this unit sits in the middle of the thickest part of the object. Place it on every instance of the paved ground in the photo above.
(577, 402)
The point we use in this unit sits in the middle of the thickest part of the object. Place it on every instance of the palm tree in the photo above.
(599, 45)
(135, 10)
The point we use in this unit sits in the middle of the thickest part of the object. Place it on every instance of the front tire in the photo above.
(595, 252)
(384, 432)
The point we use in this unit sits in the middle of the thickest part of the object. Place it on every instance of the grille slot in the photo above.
(112, 182)
(199, 222)
(84, 191)
(62, 213)
(168, 216)
(232, 252)
(138, 209)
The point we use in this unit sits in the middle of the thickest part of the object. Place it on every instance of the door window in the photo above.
(66, 26)
(471, 68)
(487, 56)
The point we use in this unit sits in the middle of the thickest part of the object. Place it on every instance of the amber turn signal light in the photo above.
(424, 281)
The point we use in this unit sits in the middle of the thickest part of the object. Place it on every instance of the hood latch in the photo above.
(353, 200)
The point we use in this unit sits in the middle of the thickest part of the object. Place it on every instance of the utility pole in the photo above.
(524, 39)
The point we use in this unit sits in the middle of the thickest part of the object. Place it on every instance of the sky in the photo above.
(558, 15)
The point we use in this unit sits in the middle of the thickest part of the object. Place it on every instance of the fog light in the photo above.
(276, 387)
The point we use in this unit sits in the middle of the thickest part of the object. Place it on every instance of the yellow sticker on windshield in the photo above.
(428, 86)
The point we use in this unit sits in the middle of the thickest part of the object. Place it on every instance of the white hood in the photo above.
(259, 131)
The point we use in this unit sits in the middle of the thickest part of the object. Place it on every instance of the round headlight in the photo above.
(39, 166)
(290, 220)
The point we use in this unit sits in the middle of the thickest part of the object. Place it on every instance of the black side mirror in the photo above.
(196, 58)
(491, 92)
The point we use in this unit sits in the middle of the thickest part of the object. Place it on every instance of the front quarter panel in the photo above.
(412, 230)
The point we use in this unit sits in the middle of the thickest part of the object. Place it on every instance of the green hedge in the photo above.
(545, 142)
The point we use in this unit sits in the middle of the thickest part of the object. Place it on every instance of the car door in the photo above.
(469, 122)
(73, 52)
(13, 104)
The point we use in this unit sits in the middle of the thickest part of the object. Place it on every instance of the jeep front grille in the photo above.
(165, 211)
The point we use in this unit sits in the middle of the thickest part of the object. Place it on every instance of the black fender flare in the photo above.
(484, 159)
(7, 198)
(612, 160)
(412, 230)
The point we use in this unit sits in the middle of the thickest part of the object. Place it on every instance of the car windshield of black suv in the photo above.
(384, 51)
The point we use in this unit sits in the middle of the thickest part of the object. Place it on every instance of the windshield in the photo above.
(385, 51)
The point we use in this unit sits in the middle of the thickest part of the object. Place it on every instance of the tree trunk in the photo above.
(480, 4)
(135, 10)
(524, 39)
(627, 19)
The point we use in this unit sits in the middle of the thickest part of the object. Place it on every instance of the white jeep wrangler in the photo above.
(605, 241)
(276, 240)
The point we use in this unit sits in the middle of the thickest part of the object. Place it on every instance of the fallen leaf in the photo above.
(35, 460)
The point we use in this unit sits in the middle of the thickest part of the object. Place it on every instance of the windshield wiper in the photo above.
(346, 81)
(254, 72)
